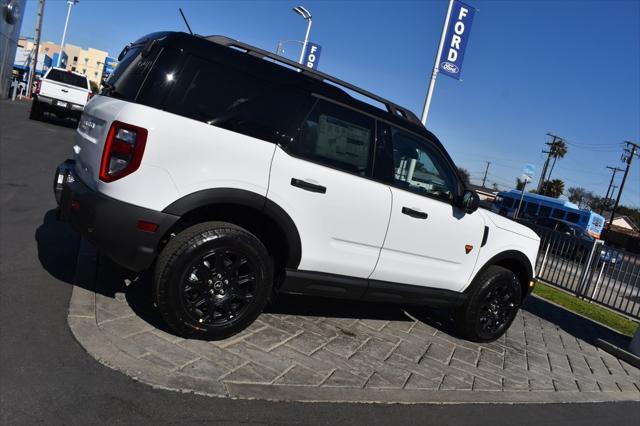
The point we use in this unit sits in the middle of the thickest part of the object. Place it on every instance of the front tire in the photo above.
(491, 306)
(212, 280)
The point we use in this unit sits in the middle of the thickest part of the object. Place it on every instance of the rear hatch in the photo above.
(65, 86)
(120, 90)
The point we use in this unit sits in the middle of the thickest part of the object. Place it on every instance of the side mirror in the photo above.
(470, 201)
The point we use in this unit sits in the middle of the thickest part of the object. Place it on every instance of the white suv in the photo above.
(237, 174)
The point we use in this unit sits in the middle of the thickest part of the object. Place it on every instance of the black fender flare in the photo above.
(512, 255)
(244, 198)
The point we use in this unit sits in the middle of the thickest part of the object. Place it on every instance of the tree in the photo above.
(577, 195)
(495, 187)
(520, 184)
(558, 150)
(464, 175)
(552, 188)
(94, 87)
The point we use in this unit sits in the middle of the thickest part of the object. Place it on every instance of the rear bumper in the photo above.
(52, 104)
(110, 225)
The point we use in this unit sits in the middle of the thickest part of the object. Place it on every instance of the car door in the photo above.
(430, 242)
(321, 179)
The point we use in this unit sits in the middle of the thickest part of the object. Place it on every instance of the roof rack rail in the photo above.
(392, 108)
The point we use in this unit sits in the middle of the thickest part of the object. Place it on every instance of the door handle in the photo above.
(65, 91)
(414, 213)
(307, 186)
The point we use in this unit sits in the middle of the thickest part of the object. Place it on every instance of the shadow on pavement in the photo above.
(70, 123)
(58, 248)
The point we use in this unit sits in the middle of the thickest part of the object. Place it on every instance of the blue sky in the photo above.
(531, 67)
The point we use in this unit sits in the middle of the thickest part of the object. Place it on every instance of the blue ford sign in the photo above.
(312, 55)
(456, 39)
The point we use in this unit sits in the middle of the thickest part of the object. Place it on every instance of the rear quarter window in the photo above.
(68, 77)
(127, 78)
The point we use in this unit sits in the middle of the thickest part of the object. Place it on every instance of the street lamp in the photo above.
(70, 3)
(307, 17)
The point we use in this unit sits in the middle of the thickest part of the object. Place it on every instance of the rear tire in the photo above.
(212, 280)
(36, 111)
(491, 305)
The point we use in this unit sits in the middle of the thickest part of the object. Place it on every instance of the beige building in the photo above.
(89, 62)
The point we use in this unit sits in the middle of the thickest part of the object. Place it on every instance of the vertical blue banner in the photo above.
(456, 39)
(312, 55)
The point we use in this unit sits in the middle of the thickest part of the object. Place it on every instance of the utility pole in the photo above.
(627, 156)
(485, 173)
(606, 197)
(546, 162)
(36, 46)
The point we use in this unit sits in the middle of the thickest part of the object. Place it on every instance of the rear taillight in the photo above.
(89, 96)
(37, 89)
(123, 151)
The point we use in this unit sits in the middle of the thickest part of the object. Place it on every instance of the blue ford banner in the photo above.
(312, 55)
(456, 39)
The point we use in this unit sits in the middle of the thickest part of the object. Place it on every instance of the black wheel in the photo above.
(212, 280)
(491, 306)
(36, 111)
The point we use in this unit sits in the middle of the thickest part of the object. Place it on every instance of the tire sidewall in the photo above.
(169, 286)
(488, 281)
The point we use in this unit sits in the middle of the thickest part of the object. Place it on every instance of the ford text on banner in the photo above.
(456, 39)
(312, 55)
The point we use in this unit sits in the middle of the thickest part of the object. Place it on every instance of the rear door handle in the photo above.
(414, 213)
(307, 186)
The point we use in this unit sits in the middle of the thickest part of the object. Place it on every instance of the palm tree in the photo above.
(558, 150)
(553, 188)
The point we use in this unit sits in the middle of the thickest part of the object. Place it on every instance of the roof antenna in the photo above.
(185, 20)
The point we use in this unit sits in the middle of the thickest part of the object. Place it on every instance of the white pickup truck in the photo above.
(61, 92)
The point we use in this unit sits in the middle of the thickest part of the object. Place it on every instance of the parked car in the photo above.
(62, 93)
(236, 174)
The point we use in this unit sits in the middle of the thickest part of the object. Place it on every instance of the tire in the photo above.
(491, 305)
(212, 280)
(36, 111)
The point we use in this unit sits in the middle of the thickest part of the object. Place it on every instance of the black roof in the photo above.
(277, 68)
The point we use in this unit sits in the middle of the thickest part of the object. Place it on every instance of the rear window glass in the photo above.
(126, 79)
(68, 77)
(225, 97)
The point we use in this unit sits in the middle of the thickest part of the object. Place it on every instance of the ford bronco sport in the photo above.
(235, 174)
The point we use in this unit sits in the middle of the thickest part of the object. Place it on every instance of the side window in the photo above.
(544, 211)
(532, 209)
(222, 96)
(573, 217)
(508, 202)
(558, 214)
(413, 164)
(337, 137)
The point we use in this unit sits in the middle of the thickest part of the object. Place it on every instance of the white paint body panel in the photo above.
(182, 156)
(342, 230)
(429, 252)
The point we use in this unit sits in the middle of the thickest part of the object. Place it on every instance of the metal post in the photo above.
(582, 288)
(515, 216)
(70, 3)
(36, 47)
(436, 65)
(595, 290)
(306, 40)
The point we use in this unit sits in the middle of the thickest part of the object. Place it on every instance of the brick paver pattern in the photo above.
(534, 354)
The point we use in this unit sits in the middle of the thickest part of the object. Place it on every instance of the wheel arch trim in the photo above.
(244, 198)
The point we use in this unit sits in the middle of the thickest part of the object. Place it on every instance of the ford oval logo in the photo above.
(449, 67)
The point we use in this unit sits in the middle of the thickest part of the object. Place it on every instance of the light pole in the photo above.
(307, 17)
(70, 3)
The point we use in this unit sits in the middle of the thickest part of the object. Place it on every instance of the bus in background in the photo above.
(538, 206)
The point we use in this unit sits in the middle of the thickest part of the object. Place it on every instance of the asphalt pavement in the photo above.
(46, 377)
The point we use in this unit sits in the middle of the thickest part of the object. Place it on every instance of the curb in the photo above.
(105, 348)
